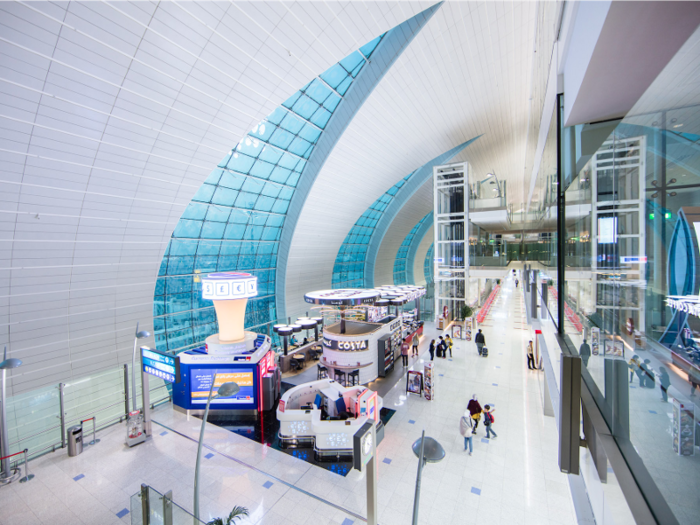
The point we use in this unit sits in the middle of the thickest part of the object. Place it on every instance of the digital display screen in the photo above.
(160, 365)
(607, 230)
(200, 384)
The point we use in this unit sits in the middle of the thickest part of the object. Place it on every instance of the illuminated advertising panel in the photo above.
(200, 384)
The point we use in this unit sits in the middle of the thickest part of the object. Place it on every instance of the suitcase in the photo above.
(485, 352)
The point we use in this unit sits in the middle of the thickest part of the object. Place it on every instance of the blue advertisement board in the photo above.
(200, 385)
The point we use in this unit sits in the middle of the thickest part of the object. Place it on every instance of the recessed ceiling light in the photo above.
(678, 126)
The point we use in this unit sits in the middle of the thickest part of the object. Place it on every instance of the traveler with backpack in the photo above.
(475, 410)
(480, 341)
(488, 421)
(466, 428)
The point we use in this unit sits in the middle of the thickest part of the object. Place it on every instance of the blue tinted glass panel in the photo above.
(235, 220)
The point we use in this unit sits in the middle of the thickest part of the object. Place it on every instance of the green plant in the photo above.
(235, 514)
(467, 311)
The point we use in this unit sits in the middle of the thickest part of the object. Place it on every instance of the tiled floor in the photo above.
(511, 480)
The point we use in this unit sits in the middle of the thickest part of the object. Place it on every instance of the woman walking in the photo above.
(466, 428)
(415, 344)
(475, 410)
(404, 353)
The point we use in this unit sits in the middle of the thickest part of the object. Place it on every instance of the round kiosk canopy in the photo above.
(284, 330)
(343, 297)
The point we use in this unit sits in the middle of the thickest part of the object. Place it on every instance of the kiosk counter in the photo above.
(253, 369)
(326, 414)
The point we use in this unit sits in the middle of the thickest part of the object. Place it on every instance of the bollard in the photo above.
(27, 475)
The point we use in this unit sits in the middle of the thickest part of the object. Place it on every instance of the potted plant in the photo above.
(467, 311)
(235, 514)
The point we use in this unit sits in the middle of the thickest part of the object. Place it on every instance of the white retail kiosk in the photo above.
(328, 415)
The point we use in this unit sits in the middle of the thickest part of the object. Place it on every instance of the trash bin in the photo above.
(75, 440)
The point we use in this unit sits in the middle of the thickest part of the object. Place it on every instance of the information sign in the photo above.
(160, 364)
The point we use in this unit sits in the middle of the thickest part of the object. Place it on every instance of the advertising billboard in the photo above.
(200, 384)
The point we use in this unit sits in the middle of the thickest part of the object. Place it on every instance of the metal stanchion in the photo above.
(27, 475)
(94, 440)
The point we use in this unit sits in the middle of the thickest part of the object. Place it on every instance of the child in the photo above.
(488, 421)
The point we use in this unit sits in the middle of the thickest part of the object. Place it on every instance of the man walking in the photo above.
(585, 352)
(480, 341)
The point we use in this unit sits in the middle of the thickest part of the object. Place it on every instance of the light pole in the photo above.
(143, 334)
(225, 390)
(6, 476)
(427, 450)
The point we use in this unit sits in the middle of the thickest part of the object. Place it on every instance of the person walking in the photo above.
(404, 353)
(480, 341)
(475, 411)
(665, 382)
(585, 352)
(488, 421)
(432, 349)
(466, 428)
(448, 342)
(415, 344)
(530, 357)
(516, 284)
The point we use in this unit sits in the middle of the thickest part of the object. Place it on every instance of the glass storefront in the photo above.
(632, 223)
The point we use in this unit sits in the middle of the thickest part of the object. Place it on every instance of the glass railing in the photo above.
(484, 204)
(35, 422)
(150, 507)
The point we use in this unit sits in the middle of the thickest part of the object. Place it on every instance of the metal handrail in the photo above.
(34, 435)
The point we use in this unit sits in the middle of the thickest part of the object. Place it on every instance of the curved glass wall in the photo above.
(428, 266)
(235, 219)
(349, 268)
(400, 274)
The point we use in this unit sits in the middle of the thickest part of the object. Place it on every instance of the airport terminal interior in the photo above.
(347, 262)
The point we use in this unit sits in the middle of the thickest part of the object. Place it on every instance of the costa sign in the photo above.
(345, 346)
(689, 304)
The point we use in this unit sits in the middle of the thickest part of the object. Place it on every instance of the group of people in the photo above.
(404, 349)
(444, 346)
(469, 422)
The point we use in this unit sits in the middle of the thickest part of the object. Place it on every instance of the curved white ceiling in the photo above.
(111, 117)
(466, 73)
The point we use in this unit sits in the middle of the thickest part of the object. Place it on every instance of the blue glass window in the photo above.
(235, 220)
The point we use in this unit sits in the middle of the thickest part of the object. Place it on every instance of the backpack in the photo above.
(489, 418)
